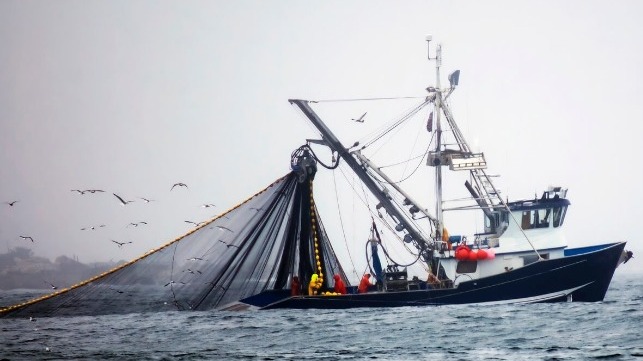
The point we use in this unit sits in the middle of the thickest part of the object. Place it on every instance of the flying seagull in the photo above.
(52, 286)
(225, 228)
(179, 185)
(208, 205)
(120, 244)
(27, 238)
(123, 202)
(93, 227)
(94, 190)
(195, 259)
(228, 245)
(195, 224)
(172, 282)
(360, 119)
(146, 200)
(11, 203)
(78, 191)
(136, 224)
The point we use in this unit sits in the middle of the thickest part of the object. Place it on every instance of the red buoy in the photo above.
(461, 253)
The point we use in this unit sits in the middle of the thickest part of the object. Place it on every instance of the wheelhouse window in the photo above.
(559, 215)
(537, 218)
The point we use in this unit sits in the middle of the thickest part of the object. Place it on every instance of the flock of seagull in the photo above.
(119, 244)
(123, 202)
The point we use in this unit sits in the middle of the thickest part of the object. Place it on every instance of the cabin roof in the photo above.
(542, 203)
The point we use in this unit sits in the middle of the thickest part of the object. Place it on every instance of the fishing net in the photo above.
(254, 248)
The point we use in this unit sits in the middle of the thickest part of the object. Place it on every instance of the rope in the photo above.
(361, 99)
(341, 221)
(397, 123)
(315, 237)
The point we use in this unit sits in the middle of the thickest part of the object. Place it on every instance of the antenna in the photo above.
(428, 42)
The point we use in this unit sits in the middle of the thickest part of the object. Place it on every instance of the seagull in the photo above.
(136, 224)
(172, 282)
(195, 224)
(120, 244)
(123, 202)
(11, 203)
(195, 259)
(94, 190)
(208, 205)
(225, 228)
(32, 319)
(179, 185)
(52, 286)
(78, 190)
(27, 238)
(189, 270)
(93, 227)
(146, 200)
(360, 119)
(228, 245)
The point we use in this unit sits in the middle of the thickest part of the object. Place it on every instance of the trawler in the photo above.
(521, 256)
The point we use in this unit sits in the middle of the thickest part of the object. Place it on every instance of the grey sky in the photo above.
(131, 97)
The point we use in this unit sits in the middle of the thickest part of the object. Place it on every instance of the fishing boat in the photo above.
(272, 251)
(521, 256)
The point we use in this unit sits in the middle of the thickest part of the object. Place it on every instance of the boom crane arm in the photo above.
(423, 244)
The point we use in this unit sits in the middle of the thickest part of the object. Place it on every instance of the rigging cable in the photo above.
(410, 159)
(342, 226)
(361, 99)
(398, 122)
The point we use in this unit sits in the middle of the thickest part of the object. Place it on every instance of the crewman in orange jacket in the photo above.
(364, 283)
(340, 287)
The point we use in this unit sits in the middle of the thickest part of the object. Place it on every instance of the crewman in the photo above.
(364, 283)
(314, 285)
(295, 286)
(340, 287)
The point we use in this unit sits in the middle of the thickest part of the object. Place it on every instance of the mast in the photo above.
(438, 135)
(416, 237)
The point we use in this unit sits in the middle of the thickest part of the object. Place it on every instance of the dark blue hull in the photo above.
(581, 277)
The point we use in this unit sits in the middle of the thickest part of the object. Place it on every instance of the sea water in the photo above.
(608, 330)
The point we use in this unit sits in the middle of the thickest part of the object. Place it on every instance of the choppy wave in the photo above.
(608, 330)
